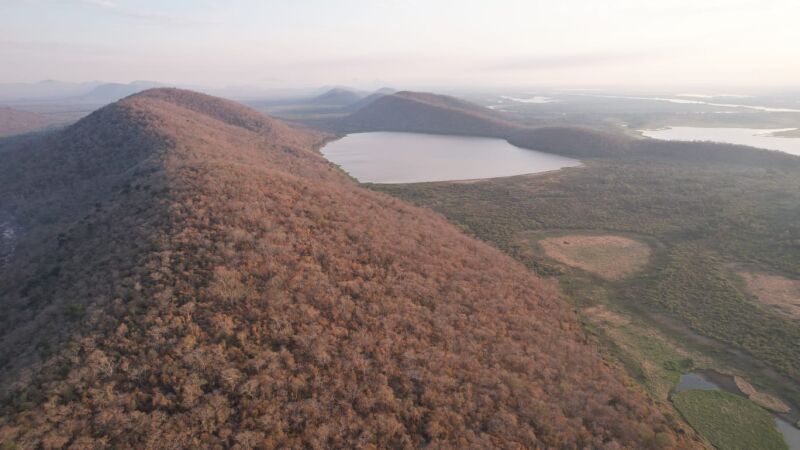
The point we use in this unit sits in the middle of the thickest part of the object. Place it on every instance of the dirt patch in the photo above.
(611, 257)
(779, 292)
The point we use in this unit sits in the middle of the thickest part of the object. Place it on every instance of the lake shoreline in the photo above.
(404, 158)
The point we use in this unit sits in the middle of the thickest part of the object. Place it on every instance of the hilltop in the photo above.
(189, 271)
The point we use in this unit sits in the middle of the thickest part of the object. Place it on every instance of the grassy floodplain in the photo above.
(687, 307)
(729, 421)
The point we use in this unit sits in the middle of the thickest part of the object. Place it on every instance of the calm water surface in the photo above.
(755, 137)
(388, 157)
(695, 381)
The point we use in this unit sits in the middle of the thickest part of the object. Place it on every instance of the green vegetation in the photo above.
(730, 422)
(749, 213)
(693, 286)
(699, 218)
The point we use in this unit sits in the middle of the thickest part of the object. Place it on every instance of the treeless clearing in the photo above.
(611, 257)
(761, 398)
(602, 314)
(774, 290)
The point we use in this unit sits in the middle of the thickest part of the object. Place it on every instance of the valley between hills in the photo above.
(189, 270)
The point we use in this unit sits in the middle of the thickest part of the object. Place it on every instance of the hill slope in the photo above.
(14, 121)
(191, 272)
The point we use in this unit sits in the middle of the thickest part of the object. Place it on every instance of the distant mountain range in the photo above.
(44, 90)
(96, 93)
(111, 92)
(337, 97)
(187, 271)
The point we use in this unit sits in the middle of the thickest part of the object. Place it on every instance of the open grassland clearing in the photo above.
(655, 360)
(694, 287)
(729, 421)
(611, 257)
(779, 292)
(697, 220)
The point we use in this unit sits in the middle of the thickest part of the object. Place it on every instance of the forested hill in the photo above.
(190, 273)
(440, 114)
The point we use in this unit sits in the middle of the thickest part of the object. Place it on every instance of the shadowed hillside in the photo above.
(380, 93)
(427, 113)
(191, 272)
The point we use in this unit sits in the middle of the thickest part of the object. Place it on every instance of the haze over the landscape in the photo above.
(400, 224)
(568, 43)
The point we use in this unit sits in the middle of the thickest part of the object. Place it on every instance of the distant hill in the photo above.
(440, 114)
(90, 93)
(337, 97)
(369, 99)
(111, 92)
(424, 112)
(14, 121)
(331, 101)
(188, 271)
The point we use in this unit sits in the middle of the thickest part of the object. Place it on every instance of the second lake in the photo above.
(755, 137)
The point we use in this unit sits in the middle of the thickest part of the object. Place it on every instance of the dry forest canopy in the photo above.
(187, 271)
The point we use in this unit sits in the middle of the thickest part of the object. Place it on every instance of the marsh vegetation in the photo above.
(687, 306)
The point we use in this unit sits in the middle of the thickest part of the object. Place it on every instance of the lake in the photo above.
(755, 137)
(390, 157)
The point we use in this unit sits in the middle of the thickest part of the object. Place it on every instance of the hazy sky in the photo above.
(370, 43)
